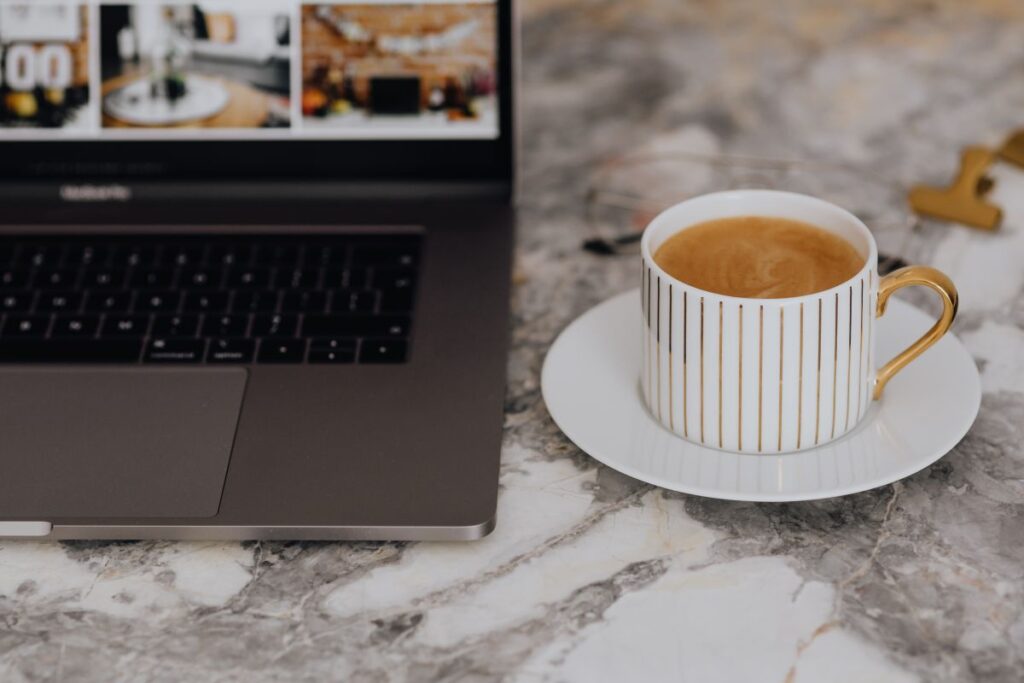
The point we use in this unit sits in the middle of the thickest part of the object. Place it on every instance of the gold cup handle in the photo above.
(907, 277)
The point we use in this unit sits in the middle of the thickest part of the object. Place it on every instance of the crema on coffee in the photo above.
(760, 257)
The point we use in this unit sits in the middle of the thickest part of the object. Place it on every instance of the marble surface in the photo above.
(591, 576)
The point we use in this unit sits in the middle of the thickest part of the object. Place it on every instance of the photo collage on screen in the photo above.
(248, 69)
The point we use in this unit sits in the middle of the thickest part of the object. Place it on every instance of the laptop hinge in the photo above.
(102, 192)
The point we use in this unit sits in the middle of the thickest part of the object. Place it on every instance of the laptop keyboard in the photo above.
(206, 299)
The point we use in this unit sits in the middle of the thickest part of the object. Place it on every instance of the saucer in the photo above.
(590, 383)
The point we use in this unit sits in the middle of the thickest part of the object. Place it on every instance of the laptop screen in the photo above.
(299, 76)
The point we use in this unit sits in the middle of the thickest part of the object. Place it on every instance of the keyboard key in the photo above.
(254, 301)
(248, 278)
(356, 278)
(398, 256)
(382, 351)
(162, 350)
(130, 256)
(271, 254)
(351, 278)
(332, 350)
(333, 343)
(230, 255)
(125, 326)
(157, 302)
(86, 255)
(396, 300)
(175, 325)
(26, 325)
(103, 278)
(16, 302)
(225, 325)
(334, 278)
(183, 256)
(39, 256)
(337, 256)
(318, 255)
(301, 278)
(70, 350)
(199, 302)
(353, 301)
(58, 302)
(282, 350)
(151, 279)
(304, 301)
(394, 279)
(355, 326)
(75, 326)
(274, 325)
(56, 279)
(230, 351)
(342, 356)
(200, 278)
(14, 278)
(108, 302)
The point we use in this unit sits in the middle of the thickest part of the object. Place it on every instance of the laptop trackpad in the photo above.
(132, 442)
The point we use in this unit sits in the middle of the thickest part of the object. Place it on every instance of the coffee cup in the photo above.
(770, 375)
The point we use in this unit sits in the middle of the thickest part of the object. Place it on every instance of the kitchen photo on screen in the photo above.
(44, 55)
(423, 69)
(218, 64)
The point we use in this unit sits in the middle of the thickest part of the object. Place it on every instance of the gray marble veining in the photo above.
(591, 575)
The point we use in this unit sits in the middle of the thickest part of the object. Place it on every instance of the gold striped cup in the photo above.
(770, 375)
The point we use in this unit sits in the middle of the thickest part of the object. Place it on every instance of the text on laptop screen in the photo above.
(248, 69)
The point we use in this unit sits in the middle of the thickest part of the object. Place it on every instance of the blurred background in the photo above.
(629, 107)
(866, 82)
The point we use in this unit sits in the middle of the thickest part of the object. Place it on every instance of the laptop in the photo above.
(236, 303)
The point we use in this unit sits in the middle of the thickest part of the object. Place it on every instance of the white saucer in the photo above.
(591, 387)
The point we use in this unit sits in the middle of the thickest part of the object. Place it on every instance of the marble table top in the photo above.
(592, 576)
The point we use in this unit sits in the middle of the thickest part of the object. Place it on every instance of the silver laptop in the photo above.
(254, 268)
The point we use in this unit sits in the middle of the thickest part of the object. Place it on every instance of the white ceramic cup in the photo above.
(770, 375)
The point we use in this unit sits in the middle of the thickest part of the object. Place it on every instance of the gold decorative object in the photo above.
(1013, 149)
(963, 201)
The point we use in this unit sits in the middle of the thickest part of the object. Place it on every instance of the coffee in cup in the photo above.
(762, 257)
